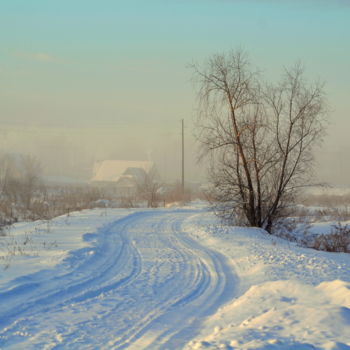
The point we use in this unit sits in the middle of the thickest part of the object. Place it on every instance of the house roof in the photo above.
(113, 170)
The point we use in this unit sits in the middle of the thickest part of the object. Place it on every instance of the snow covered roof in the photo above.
(113, 170)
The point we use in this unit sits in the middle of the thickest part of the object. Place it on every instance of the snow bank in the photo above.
(31, 246)
(283, 314)
(288, 297)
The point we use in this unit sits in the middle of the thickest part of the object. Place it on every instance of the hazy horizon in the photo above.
(84, 81)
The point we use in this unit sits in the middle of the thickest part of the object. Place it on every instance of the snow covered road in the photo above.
(142, 283)
(147, 279)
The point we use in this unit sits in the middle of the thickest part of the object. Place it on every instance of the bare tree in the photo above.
(259, 137)
(20, 178)
(30, 178)
(4, 173)
(149, 186)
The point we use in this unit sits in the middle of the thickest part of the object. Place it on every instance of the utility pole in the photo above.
(183, 157)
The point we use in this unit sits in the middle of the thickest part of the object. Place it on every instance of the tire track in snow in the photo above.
(148, 285)
(109, 260)
(214, 287)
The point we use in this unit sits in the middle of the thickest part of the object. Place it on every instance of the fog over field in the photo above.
(87, 81)
(73, 151)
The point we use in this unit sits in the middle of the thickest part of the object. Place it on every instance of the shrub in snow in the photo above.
(337, 241)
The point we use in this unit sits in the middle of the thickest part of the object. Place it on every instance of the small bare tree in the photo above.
(4, 173)
(149, 186)
(30, 179)
(259, 137)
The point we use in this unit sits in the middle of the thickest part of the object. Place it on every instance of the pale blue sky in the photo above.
(121, 65)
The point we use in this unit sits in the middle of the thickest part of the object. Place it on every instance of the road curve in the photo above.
(142, 284)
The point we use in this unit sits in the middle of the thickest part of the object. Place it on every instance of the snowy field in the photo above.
(167, 279)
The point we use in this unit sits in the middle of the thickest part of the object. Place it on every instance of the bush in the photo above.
(337, 241)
